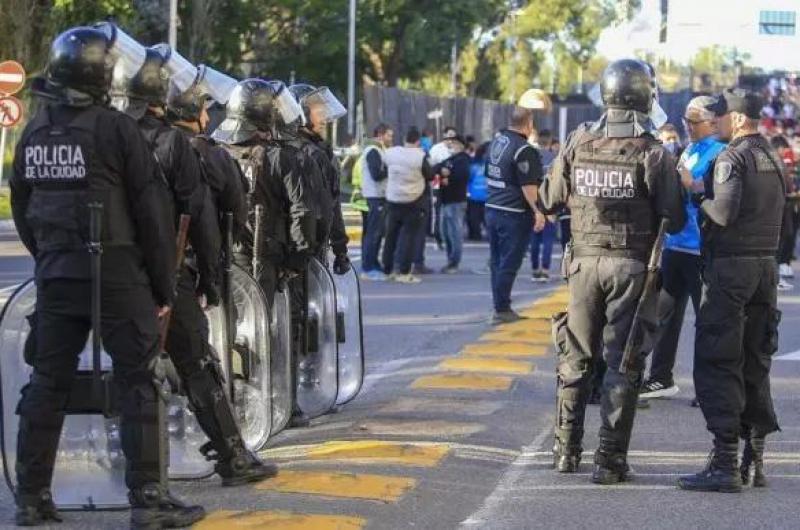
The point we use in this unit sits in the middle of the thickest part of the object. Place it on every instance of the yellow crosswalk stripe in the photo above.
(505, 349)
(380, 452)
(337, 484)
(277, 520)
(477, 364)
(463, 382)
(543, 338)
(451, 406)
(543, 311)
(438, 428)
(525, 325)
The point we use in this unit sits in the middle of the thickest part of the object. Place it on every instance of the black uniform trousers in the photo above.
(604, 292)
(680, 276)
(737, 334)
(130, 336)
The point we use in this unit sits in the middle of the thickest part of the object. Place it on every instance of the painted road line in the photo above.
(449, 406)
(277, 520)
(543, 312)
(380, 452)
(505, 349)
(433, 428)
(524, 326)
(477, 364)
(463, 382)
(543, 338)
(337, 484)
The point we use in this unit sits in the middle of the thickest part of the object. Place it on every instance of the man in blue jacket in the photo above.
(681, 261)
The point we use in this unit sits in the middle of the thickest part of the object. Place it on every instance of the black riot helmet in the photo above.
(187, 105)
(327, 107)
(628, 84)
(151, 81)
(249, 110)
(82, 59)
(300, 91)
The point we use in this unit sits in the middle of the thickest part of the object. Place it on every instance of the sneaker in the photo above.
(535, 276)
(406, 278)
(483, 271)
(373, 276)
(450, 269)
(653, 389)
(783, 285)
(506, 317)
(421, 269)
(785, 270)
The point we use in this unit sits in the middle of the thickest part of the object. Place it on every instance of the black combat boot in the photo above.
(566, 458)
(610, 464)
(244, 467)
(153, 508)
(753, 454)
(720, 474)
(36, 509)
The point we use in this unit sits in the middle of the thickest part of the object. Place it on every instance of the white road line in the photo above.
(510, 479)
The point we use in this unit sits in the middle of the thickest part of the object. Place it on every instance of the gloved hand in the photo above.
(341, 264)
(211, 292)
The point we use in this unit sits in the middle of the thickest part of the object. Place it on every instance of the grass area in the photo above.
(5, 206)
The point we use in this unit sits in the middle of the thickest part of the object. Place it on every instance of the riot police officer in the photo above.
(187, 339)
(737, 324)
(619, 181)
(281, 227)
(75, 151)
(320, 108)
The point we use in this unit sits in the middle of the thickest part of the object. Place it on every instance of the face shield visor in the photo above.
(322, 104)
(181, 72)
(124, 53)
(214, 84)
(288, 108)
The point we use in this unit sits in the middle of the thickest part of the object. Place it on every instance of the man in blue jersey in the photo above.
(681, 261)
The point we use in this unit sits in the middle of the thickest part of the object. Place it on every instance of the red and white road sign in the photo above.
(12, 77)
(10, 111)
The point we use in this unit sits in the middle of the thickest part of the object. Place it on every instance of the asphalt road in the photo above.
(453, 429)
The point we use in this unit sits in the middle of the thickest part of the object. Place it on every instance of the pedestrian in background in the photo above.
(438, 154)
(408, 169)
(513, 172)
(477, 192)
(671, 139)
(788, 229)
(681, 262)
(454, 174)
(542, 140)
(372, 172)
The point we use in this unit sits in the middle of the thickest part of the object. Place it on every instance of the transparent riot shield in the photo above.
(349, 335)
(317, 370)
(281, 342)
(90, 467)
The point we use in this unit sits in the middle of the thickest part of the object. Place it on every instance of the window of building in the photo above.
(777, 23)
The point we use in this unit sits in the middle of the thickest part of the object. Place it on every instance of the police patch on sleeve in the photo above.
(722, 172)
(524, 166)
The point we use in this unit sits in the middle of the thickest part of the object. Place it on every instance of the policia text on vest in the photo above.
(54, 162)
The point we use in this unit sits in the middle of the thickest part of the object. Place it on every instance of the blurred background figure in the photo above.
(454, 173)
(477, 192)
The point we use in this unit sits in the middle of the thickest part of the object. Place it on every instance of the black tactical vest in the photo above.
(612, 213)
(505, 192)
(62, 165)
(757, 228)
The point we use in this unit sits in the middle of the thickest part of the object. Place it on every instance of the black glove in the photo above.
(297, 262)
(341, 264)
(211, 292)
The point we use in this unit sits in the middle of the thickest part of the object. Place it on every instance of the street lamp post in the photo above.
(351, 72)
(173, 24)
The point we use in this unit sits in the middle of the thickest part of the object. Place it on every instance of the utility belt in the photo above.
(588, 251)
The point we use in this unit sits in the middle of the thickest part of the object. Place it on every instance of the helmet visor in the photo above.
(321, 102)
(288, 108)
(214, 84)
(127, 55)
(182, 73)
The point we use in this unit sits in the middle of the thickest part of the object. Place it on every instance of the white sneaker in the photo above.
(783, 285)
(406, 278)
(785, 270)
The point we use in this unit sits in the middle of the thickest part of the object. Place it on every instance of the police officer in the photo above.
(280, 242)
(619, 182)
(513, 173)
(199, 366)
(75, 151)
(320, 108)
(187, 340)
(737, 324)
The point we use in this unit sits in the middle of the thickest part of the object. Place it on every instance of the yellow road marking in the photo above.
(463, 382)
(335, 484)
(477, 364)
(505, 349)
(450, 406)
(380, 452)
(525, 325)
(437, 428)
(277, 520)
(543, 311)
(542, 338)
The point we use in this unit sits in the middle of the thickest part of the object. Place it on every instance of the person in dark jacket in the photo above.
(108, 162)
(455, 173)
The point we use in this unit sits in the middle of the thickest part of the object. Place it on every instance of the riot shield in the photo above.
(90, 467)
(349, 335)
(281, 356)
(316, 386)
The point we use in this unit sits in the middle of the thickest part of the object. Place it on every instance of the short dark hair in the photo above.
(521, 117)
(380, 130)
(412, 136)
(545, 135)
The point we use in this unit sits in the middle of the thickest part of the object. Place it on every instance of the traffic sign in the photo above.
(10, 111)
(12, 77)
